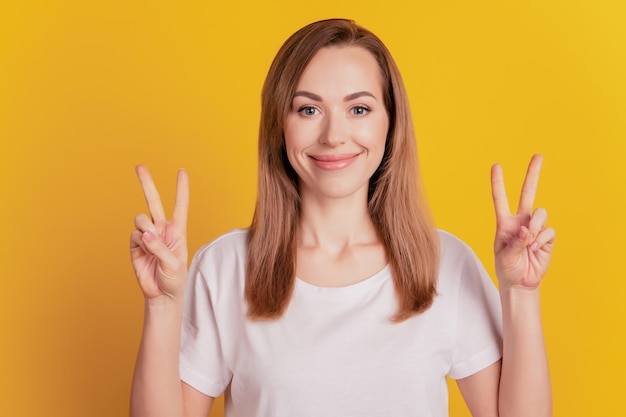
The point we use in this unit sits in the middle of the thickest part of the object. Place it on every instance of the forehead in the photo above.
(344, 68)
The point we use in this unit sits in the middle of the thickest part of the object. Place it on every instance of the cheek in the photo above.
(379, 139)
(292, 144)
(292, 134)
(376, 132)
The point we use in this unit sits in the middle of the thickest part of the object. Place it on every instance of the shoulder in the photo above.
(231, 244)
(458, 262)
(452, 248)
(222, 261)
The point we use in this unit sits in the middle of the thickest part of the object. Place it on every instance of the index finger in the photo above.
(181, 205)
(151, 194)
(529, 189)
(498, 192)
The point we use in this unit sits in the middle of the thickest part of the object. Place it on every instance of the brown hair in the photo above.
(398, 209)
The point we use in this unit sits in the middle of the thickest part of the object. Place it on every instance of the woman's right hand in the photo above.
(158, 247)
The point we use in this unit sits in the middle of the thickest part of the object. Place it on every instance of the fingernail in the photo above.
(148, 236)
(534, 246)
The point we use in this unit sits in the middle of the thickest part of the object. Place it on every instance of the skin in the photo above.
(158, 249)
(336, 235)
(519, 384)
(335, 132)
(335, 137)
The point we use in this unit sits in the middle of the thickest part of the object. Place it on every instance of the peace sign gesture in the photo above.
(158, 247)
(523, 245)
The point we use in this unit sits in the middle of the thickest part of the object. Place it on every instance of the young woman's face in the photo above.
(336, 129)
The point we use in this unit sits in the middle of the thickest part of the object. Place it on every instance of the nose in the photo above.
(335, 130)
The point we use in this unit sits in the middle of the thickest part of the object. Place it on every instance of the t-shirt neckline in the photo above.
(363, 285)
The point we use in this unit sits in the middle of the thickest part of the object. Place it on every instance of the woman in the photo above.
(341, 299)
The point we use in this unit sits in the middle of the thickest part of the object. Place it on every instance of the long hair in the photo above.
(395, 202)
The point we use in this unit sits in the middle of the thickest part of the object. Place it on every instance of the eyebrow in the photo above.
(349, 97)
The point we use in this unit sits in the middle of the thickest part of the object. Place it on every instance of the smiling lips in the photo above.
(334, 162)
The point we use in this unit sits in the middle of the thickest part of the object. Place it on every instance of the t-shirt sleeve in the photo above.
(479, 320)
(202, 363)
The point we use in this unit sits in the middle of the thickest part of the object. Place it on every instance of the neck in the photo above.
(335, 223)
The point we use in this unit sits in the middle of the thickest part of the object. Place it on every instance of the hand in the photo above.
(158, 247)
(523, 245)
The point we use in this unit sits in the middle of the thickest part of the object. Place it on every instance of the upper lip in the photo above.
(334, 157)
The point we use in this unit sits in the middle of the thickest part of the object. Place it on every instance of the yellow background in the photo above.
(90, 89)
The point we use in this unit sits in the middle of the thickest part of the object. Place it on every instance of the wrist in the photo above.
(519, 290)
(164, 303)
(520, 302)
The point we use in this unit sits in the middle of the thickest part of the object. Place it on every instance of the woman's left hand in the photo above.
(523, 244)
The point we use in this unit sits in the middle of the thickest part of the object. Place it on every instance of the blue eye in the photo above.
(360, 110)
(307, 110)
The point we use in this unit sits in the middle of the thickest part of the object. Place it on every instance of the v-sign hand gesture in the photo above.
(523, 245)
(158, 247)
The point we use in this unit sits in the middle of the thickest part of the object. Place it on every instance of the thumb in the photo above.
(168, 262)
(521, 241)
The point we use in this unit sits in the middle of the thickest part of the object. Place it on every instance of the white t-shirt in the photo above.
(335, 352)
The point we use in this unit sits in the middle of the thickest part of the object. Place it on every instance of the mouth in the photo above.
(335, 161)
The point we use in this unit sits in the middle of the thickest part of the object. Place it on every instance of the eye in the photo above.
(360, 110)
(307, 110)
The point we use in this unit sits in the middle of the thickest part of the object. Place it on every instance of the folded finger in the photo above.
(168, 262)
(538, 221)
(136, 242)
(143, 223)
(545, 237)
